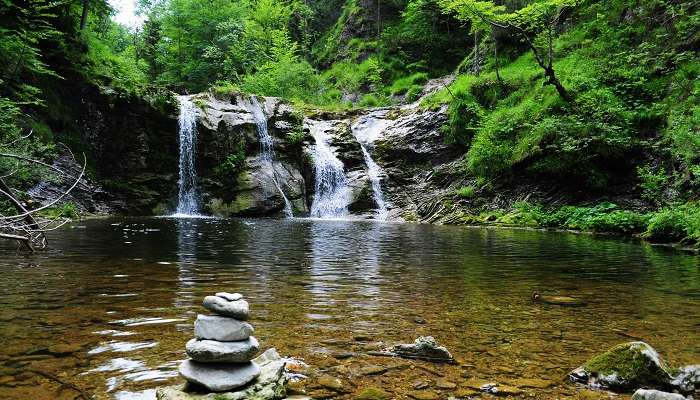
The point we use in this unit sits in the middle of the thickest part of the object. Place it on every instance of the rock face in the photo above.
(424, 348)
(221, 328)
(222, 352)
(643, 394)
(627, 366)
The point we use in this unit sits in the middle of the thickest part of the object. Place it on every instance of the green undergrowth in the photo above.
(673, 224)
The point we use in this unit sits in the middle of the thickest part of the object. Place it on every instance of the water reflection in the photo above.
(113, 317)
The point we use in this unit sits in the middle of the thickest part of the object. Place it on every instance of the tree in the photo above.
(535, 24)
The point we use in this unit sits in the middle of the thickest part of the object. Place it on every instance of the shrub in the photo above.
(465, 192)
(652, 183)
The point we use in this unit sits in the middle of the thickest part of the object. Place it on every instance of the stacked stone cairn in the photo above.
(222, 350)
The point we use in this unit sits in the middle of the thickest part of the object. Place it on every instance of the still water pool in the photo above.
(110, 307)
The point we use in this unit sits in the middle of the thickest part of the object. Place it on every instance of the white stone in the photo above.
(235, 309)
(230, 296)
(223, 329)
(215, 352)
(643, 394)
(219, 377)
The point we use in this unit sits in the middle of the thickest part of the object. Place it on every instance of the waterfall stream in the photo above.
(266, 151)
(366, 130)
(188, 196)
(332, 194)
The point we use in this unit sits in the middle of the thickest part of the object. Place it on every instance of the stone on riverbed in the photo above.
(235, 309)
(223, 329)
(625, 367)
(216, 352)
(643, 394)
(687, 379)
(219, 377)
(424, 348)
(269, 385)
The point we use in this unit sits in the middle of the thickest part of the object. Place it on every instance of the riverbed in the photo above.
(109, 308)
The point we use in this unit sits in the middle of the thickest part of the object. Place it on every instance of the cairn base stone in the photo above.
(211, 351)
(219, 377)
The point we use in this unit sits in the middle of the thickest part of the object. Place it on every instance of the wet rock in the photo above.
(624, 367)
(221, 328)
(331, 382)
(500, 390)
(64, 349)
(643, 394)
(214, 351)
(531, 383)
(557, 300)
(419, 385)
(372, 370)
(373, 394)
(229, 296)
(424, 348)
(687, 379)
(219, 377)
(445, 384)
(424, 395)
(235, 309)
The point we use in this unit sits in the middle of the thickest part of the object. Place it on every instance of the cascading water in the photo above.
(266, 151)
(366, 130)
(188, 196)
(332, 194)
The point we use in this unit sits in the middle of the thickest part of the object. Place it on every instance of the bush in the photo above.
(652, 183)
(677, 224)
(466, 192)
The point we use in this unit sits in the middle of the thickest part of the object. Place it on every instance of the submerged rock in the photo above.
(687, 379)
(269, 385)
(557, 300)
(221, 328)
(219, 377)
(235, 309)
(624, 367)
(644, 394)
(216, 352)
(424, 348)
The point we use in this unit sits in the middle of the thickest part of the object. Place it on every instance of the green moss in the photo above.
(373, 394)
(629, 365)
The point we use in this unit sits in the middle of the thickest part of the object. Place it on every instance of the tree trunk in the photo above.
(83, 17)
(554, 81)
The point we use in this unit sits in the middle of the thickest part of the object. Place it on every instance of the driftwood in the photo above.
(26, 225)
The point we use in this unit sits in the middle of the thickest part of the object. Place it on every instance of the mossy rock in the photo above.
(373, 394)
(626, 366)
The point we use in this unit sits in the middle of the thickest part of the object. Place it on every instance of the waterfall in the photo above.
(188, 197)
(332, 194)
(366, 130)
(266, 151)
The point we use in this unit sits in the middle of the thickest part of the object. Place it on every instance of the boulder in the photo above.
(219, 377)
(626, 366)
(644, 394)
(222, 329)
(424, 348)
(211, 351)
(235, 309)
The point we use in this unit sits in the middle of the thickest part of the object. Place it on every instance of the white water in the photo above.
(366, 130)
(188, 196)
(332, 194)
(266, 151)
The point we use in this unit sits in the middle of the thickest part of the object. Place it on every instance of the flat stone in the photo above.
(331, 382)
(424, 348)
(372, 370)
(219, 377)
(230, 296)
(531, 383)
(445, 384)
(373, 394)
(643, 394)
(223, 329)
(424, 395)
(235, 309)
(231, 352)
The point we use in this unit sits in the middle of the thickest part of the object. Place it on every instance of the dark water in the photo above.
(109, 310)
